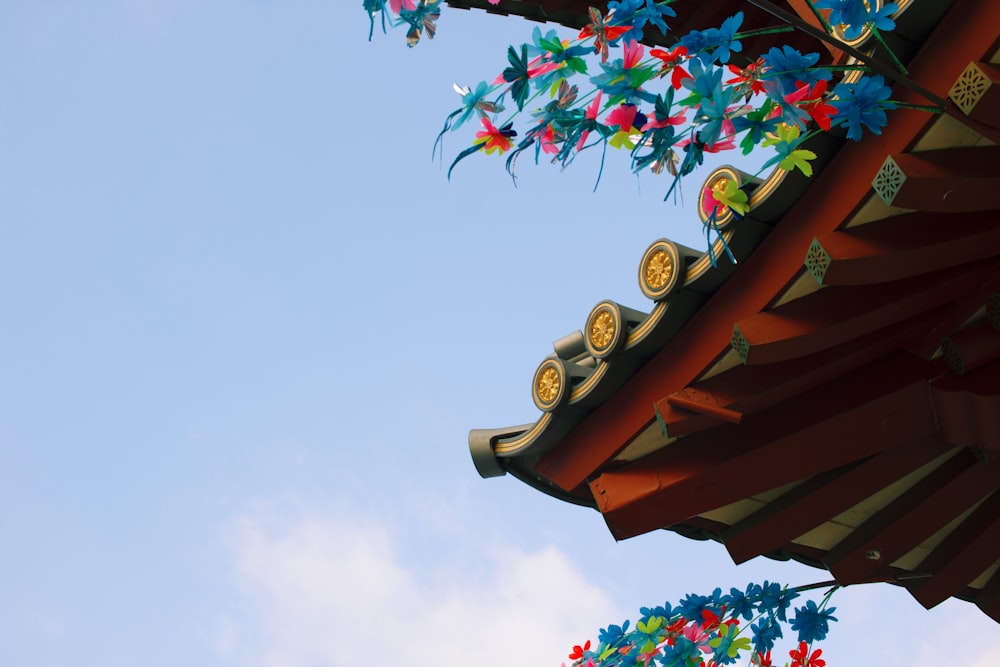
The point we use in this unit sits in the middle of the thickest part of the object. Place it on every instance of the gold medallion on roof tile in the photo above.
(659, 270)
(549, 385)
(969, 88)
(720, 177)
(604, 330)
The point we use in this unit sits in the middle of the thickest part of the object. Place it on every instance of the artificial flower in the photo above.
(604, 35)
(863, 103)
(802, 658)
(812, 623)
(493, 139)
(638, 13)
(671, 63)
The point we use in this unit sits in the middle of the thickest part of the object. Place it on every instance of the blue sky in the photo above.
(246, 324)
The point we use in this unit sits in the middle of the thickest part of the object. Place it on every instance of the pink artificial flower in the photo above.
(623, 117)
(633, 53)
(397, 5)
(590, 114)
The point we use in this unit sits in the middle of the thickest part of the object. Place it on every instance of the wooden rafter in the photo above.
(968, 552)
(902, 247)
(955, 487)
(949, 180)
(749, 389)
(886, 400)
(839, 314)
(820, 499)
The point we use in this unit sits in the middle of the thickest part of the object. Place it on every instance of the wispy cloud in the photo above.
(339, 590)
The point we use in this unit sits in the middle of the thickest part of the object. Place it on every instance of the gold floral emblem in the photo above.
(602, 329)
(548, 384)
(659, 269)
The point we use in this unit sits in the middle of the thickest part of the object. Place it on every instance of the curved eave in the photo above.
(865, 330)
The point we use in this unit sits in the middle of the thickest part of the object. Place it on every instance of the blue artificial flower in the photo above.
(854, 15)
(739, 603)
(692, 605)
(863, 103)
(880, 18)
(626, 83)
(765, 633)
(698, 43)
(666, 611)
(727, 38)
(612, 634)
(812, 623)
(637, 13)
(774, 600)
(683, 652)
(715, 44)
(788, 65)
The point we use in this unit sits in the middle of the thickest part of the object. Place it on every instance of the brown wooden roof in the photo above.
(836, 397)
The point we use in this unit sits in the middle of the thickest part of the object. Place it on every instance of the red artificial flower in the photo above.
(801, 658)
(549, 139)
(493, 138)
(602, 33)
(747, 78)
(811, 101)
(672, 63)
(762, 659)
(578, 651)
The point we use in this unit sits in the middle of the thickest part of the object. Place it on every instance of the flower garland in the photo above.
(716, 629)
(668, 107)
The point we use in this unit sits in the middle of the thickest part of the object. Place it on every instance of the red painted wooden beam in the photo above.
(963, 556)
(956, 315)
(901, 247)
(965, 34)
(951, 180)
(876, 408)
(819, 500)
(967, 408)
(902, 527)
(749, 389)
(839, 314)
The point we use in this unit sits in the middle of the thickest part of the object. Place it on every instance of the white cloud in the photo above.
(342, 591)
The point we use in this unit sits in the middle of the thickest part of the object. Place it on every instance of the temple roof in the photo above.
(835, 396)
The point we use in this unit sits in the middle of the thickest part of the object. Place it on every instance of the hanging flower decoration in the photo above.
(716, 629)
(670, 107)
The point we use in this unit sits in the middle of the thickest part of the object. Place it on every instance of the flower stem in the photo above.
(919, 107)
(764, 31)
(881, 40)
(822, 19)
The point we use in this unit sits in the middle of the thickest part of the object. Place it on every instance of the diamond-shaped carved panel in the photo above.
(969, 88)
(889, 180)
